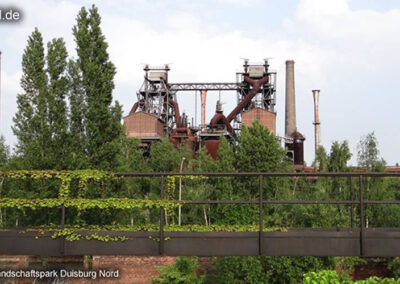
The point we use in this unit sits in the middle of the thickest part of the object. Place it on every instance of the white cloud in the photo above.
(316, 9)
(239, 2)
(356, 52)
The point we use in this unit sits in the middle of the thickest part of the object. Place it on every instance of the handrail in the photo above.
(264, 174)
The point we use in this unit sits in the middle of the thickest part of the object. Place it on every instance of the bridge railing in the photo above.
(357, 240)
(353, 177)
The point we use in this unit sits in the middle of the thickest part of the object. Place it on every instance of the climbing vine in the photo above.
(91, 232)
(65, 178)
(82, 178)
(82, 203)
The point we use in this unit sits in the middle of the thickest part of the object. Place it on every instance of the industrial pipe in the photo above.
(175, 106)
(203, 108)
(134, 108)
(290, 107)
(316, 120)
(256, 84)
(220, 118)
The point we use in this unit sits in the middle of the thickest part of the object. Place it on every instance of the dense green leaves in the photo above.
(96, 81)
(183, 271)
(67, 120)
(332, 277)
(339, 157)
(266, 269)
(368, 153)
(257, 150)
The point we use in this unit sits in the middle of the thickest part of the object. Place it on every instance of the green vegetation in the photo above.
(332, 277)
(67, 123)
(266, 269)
(183, 271)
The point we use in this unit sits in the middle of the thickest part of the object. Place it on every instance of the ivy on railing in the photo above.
(82, 203)
(95, 232)
(82, 179)
(65, 178)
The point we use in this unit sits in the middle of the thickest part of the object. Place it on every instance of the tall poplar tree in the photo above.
(30, 125)
(40, 123)
(103, 128)
(77, 112)
(56, 101)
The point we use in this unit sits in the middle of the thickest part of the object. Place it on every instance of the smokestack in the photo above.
(316, 119)
(290, 112)
(203, 109)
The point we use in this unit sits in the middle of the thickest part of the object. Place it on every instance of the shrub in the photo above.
(183, 271)
(267, 269)
(394, 265)
(332, 277)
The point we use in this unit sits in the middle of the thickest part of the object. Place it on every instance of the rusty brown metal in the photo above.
(220, 119)
(316, 120)
(212, 148)
(183, 134)
(256, 84)
(203, 108)
(134, 108)
(298, 148)
(175, 106)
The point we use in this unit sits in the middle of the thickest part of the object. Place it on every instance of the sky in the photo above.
(349, 49)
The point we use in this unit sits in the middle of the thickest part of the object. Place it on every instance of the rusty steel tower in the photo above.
(156, 112)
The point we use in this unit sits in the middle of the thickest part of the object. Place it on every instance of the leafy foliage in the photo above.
(394, 265)
(67, 120)
(332, 277)
(266, 269)
(257, 150)
(368, 153)
(321, 159)
(40, 123)
(164, 157)
(338, 157)
(102, 125)
(183, 271)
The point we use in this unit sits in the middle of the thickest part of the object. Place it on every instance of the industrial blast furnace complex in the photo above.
(156, 112)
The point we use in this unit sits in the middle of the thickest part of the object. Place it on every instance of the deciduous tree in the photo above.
(102, 119)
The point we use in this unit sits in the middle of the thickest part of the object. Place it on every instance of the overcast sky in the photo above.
(349, 49)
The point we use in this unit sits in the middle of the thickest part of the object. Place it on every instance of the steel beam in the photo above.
(378, 242)
(205, 86)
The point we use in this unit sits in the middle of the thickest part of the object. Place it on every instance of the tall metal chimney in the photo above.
(203, 109)
(316, 119)
(290, 112)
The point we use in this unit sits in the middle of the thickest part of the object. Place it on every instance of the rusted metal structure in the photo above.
(255, 86)
(316, 120)
(354, 240)
(294, 140)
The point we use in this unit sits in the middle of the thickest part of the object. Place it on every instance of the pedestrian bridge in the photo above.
(356, 240)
